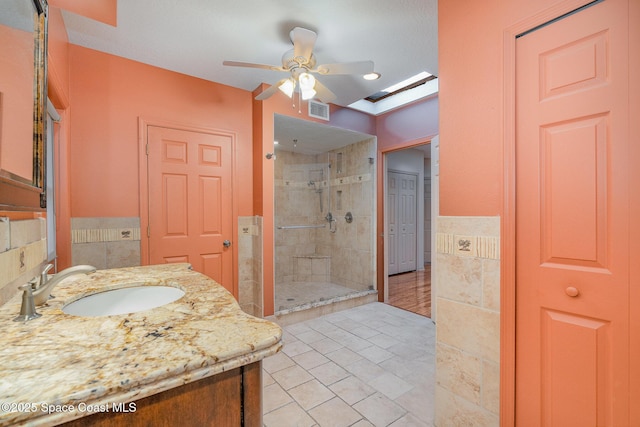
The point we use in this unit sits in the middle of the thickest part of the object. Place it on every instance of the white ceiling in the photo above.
(316, 138)
(193, 37)
(305, 137)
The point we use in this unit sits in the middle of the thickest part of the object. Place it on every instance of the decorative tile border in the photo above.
(344, 180)
(94, 235)
(473, 246)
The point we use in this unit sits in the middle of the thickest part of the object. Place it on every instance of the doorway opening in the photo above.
(408, 242)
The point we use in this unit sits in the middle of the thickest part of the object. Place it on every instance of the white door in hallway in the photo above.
(402, 208)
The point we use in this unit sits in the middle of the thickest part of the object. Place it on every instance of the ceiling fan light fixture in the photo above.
(307, 84)
(307, 93)
(287, 87)
(307, 81)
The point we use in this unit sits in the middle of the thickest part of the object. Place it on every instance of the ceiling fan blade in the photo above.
(361, 67)
(269, 91)
(303, 42)
(323, 93)
(252, 65)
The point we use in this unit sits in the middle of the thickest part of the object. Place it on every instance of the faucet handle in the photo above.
(28, 308)
(44, 276)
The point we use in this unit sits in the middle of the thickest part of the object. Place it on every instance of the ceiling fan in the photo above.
(300, 63)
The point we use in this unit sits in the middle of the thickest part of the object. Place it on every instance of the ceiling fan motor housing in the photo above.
(291, 62)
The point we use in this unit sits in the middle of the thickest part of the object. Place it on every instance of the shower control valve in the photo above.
(348, 217)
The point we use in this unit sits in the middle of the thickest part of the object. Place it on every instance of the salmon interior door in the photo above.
(190, 205)
(572, 220)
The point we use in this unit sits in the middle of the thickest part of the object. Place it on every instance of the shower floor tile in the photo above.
(294, 294)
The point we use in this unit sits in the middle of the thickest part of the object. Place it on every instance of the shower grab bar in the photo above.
(294, 227)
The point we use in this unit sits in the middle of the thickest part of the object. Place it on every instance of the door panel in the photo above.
(392, 221)
(427, 220)
(586, 379)
(190, 202)
(572, 221)
(574, 205)
(407, 213)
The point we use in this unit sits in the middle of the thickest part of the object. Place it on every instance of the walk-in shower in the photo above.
(325, 220)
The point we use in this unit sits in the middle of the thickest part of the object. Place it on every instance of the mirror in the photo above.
(23, 92)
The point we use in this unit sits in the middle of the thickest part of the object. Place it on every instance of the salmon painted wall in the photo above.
(108, 94)
(470, 61)
(105, 11)
(58, 59)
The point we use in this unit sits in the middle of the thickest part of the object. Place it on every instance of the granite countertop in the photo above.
(84, 362)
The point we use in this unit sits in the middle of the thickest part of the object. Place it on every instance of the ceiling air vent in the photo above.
(318, 110)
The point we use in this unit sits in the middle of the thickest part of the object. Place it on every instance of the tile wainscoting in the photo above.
(115, 242)
(468, 321)
(250, 264)
(23, 249)
(106, 242)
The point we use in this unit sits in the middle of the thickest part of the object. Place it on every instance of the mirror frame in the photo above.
(17, 193)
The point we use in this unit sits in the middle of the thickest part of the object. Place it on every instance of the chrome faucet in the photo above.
(41, 294)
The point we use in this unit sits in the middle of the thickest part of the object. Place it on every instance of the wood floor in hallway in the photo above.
(412, 291)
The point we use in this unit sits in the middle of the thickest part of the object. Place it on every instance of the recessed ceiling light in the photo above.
(371, 76)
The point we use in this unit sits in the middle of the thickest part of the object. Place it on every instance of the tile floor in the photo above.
(372, 365)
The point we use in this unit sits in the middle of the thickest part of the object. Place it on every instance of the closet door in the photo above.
(572, 221)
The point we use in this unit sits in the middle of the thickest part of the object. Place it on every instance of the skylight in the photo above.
(405, 83)
(412, 89)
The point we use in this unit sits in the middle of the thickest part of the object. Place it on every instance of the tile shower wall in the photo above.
(106, 242)
(351, 188)
(250, 264)
(23, 250)
(468, 316)
(296, 203)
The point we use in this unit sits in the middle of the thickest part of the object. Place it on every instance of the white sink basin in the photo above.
(123, 301)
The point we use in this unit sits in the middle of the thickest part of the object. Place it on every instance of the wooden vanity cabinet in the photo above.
(228, 399)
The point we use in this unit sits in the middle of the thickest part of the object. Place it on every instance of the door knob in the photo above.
(572, 292)
(226, 243)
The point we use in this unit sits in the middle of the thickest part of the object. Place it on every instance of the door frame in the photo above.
(382, 281)
(143, 191)
(508, 223)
